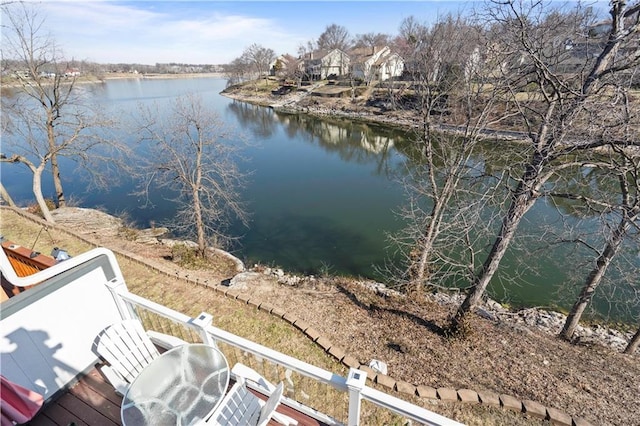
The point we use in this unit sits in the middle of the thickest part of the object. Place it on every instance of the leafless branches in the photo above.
(448, 188)
(561, 106)
(194, 155)
(46, 118)
(334, 37)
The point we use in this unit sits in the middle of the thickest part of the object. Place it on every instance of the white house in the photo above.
(389, 66)
(363, 60)
(375, 63)
(320, 64)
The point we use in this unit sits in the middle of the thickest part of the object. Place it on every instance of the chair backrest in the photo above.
(239, 407)
(270, 407)
(126, 346)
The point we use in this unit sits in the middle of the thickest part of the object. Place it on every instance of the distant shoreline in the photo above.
(187, 75)
(91, 78)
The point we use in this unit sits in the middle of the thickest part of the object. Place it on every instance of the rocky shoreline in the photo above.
(344, 109)
(525, 320)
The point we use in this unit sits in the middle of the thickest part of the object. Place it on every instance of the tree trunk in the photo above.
(57, 182)
(441, 195)
(525, 196)
(418, 269)
(594, 278)
(201, 236)
(197, 203)
(5, 196)
(55, 168)
(634, 343)
(37, 192)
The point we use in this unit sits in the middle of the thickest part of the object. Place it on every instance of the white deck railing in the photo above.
(354, 385)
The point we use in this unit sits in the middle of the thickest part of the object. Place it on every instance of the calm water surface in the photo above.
(321, 193)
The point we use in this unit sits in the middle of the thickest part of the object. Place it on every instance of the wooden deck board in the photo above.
(96, 381)
(85, 411)
(302, 419)
(93, 402)
(42, 420)
(59, 416)
(108, 408)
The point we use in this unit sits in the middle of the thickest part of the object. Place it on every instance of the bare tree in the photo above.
(25, 41)
(561, 120)
(260, 59)
(371, 40)
(5, 196)
(45, 113)
(192, 154)
(411, 29)
(410, 32)
(237, 71)
(291, 69)
(334, 37)
(306, 48)
(450, 86)
(626, 170)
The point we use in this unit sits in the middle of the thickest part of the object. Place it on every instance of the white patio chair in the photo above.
(128, 349)
(242, 408)
(256, 381)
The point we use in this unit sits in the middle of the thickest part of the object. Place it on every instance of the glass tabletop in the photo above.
(181, 387)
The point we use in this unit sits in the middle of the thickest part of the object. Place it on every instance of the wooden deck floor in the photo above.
(93, 402)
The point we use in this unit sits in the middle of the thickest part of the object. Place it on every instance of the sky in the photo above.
(215, 32)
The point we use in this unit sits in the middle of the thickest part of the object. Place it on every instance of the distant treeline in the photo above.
(85, 67)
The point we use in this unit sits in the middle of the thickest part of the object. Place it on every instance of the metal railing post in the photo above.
(201, 322)
(355, 383)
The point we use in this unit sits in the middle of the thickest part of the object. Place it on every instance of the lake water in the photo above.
(321, 192)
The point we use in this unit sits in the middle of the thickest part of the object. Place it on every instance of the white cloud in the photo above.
(206, 31)
(113, 32)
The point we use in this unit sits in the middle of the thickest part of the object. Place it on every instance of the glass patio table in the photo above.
(183, 386)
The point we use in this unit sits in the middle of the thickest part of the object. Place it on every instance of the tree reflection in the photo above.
(258, 120)
(353, 142)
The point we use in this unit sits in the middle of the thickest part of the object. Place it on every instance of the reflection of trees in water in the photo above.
(354, 142)
(259, 120)
(365, 143)
(490, 162)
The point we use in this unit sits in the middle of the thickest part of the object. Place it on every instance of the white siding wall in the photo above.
(335, 62)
